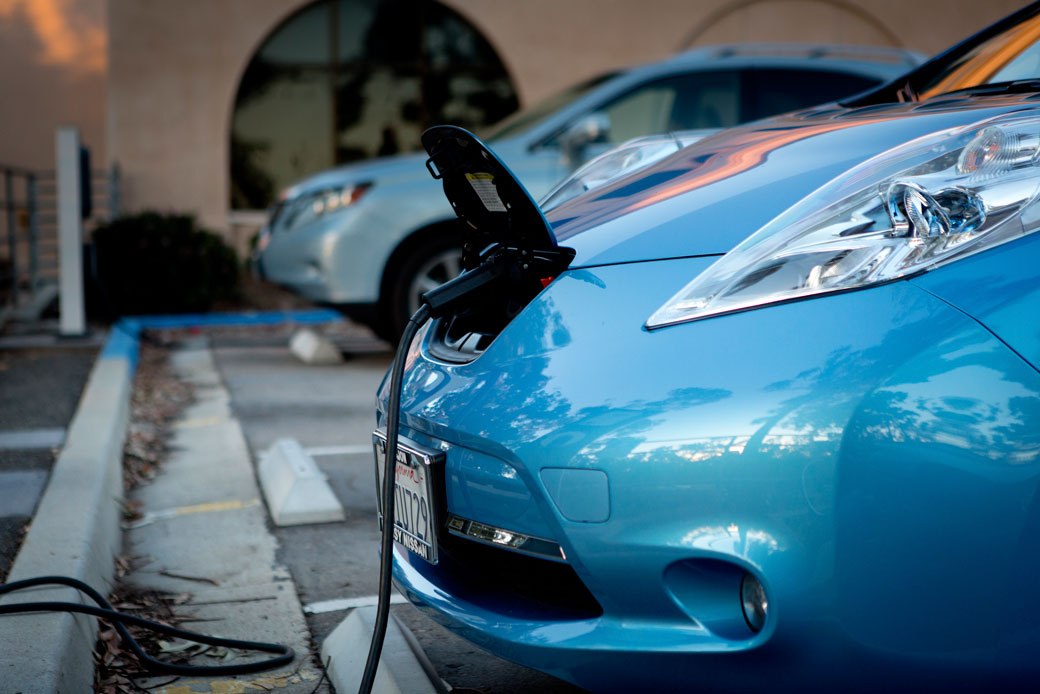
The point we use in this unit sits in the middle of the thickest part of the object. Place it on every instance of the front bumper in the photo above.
(335, 259)
(855, 452)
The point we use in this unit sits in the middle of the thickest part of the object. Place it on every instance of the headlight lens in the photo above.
(620, 161)
(308, 207)
(915, 207)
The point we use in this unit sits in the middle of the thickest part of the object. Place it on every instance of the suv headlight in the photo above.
(308, 207)
(917, 206)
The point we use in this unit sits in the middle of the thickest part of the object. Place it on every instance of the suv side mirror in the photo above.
(592, 127)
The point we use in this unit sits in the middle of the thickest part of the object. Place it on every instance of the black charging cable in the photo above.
(386, 545)
(119, 620)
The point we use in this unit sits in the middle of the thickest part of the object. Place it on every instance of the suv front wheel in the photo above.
(429, 264)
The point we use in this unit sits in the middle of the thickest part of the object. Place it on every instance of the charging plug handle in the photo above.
(448, 297)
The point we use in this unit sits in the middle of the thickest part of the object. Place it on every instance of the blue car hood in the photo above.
(710, 196)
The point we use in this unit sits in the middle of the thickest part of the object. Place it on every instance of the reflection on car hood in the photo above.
(709, 197)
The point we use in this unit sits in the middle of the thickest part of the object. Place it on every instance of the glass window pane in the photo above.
(640, 112)
(529, 117)
(283, 133)
(706, 100)
(302, 39)
(344, 80)
(354, 19)
(394, 35)
(467, 98)
(1025, 66)
(683, 102)
(380, 112)
(1009, 55)
(778, 91)
(448, 41)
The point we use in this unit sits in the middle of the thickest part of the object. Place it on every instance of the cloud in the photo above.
(67, 37)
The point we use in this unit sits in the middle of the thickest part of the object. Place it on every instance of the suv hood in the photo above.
(407, 168)
(399, 166)
(710, 196)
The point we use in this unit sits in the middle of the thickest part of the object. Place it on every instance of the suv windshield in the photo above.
(528, 117)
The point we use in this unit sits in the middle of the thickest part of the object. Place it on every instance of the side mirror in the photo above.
(592, 127)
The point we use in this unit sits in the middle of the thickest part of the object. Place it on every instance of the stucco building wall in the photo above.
(173, 68)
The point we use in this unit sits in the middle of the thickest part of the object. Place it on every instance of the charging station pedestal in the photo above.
(73, 316)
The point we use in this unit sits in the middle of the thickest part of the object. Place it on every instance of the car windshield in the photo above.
(529, 117)
(1008, 57)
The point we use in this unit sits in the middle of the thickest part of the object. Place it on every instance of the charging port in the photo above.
(509, 249)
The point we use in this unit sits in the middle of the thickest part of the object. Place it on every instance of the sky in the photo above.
(70, 33)
(52, 73)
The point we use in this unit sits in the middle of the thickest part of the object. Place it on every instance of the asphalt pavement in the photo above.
(40, 382)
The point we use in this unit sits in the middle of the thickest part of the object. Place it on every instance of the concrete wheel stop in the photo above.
(312, 348)
(296, 490)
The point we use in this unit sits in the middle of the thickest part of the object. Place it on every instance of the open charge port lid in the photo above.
(492, 204)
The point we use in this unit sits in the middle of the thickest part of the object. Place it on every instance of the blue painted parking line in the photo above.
(123, 340)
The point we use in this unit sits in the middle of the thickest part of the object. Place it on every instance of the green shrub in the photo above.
(161, 263)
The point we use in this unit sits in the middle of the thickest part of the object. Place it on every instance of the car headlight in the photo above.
(917, 206)
(306, 208)
(620, 161)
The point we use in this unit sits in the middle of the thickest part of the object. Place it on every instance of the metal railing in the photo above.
(29, 232)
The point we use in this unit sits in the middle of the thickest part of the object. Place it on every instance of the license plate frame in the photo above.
(417, 507)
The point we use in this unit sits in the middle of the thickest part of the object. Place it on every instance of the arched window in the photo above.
(344, 80)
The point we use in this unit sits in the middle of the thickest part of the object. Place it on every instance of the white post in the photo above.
(70, 233)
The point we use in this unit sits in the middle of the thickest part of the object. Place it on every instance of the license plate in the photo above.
(415, 516)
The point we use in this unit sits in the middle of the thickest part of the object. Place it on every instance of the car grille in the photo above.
(510, 584)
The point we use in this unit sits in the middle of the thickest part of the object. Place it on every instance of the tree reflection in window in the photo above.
(345, 80)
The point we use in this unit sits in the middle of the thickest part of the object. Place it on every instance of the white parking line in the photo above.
(36, 438)
(340, 450)
(350, 603)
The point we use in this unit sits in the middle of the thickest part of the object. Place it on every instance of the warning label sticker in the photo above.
(484, 186)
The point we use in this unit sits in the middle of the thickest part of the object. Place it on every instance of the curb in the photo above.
(75, 531)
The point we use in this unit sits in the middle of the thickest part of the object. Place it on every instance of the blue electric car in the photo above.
(774, 426)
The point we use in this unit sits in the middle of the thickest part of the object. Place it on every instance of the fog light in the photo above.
(753, 600)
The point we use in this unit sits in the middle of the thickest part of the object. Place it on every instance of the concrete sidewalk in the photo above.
(204, 532)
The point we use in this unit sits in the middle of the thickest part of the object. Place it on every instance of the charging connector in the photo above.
(454, 295)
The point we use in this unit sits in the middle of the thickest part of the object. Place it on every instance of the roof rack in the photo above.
(808, 50)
